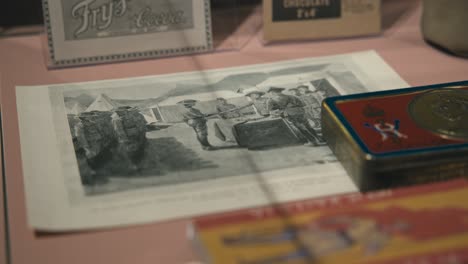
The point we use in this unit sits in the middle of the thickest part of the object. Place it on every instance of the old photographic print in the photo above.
(190, 130)
(137, 150)
(109, 18)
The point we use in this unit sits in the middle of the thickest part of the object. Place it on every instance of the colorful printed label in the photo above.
(384, 125)
(427, 223)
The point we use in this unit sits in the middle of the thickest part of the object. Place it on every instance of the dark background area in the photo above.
(29, 12)
(20, 12)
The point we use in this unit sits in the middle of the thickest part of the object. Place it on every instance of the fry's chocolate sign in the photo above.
(85, 19)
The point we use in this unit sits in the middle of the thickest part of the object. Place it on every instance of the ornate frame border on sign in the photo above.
(125, 56)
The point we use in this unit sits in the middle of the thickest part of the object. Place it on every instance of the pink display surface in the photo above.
(3, 237)
(22, 63)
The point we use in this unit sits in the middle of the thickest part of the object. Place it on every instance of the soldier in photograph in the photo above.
(309, 98)
(320, 95)
(323, 89)
(196, 120)
(312, 109)
(259, 102)
(291, 108)
(230, 115)
(227, 110)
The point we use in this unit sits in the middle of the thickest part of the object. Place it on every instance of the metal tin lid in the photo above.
(406, 121)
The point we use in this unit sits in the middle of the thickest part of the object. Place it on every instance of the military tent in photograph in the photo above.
(103, 103)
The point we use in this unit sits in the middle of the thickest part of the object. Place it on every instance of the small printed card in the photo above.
(311, 19)
(93, 31)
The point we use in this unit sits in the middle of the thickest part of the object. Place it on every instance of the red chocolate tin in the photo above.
(400, 137)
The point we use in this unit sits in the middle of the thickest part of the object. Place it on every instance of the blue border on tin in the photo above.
(331, 101)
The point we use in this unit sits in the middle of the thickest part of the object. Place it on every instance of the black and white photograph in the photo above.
(126, 151)
(146, 135)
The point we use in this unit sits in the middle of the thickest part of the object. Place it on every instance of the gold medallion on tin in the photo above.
(442, 111)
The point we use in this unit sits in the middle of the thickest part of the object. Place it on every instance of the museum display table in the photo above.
(22, 63)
